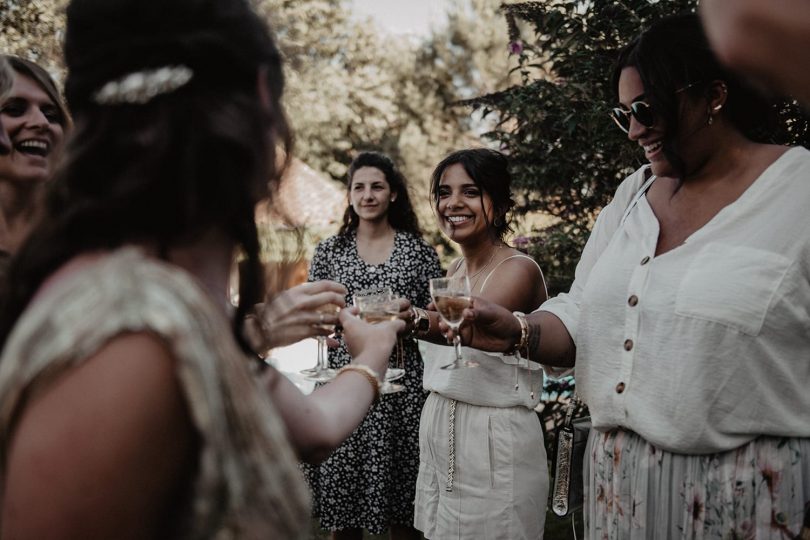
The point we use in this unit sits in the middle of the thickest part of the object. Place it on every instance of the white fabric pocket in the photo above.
(732, 285)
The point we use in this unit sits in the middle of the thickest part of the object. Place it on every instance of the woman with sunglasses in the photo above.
(688, 319)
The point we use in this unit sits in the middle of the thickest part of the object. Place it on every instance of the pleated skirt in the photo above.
(636, 491)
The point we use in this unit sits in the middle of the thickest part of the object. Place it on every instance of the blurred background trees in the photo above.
(529, 78)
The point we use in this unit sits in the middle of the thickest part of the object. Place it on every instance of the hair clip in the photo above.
(141, 86)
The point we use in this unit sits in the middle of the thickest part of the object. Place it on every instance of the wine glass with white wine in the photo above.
(451, 295)
(375, 307)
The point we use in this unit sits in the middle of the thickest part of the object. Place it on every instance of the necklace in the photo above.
(474, 278)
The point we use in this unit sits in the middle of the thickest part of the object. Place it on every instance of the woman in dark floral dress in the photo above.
(369, 481)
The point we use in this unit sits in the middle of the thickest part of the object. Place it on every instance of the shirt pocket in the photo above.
(731, 285)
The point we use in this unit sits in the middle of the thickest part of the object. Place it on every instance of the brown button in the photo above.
(633, 300)
(620, 388)
(645, 260)
(628, 344)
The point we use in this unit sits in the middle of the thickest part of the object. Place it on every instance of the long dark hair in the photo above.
(673, 56)
(401, 216)
(39, 75)
(489, 170)
(166, 171)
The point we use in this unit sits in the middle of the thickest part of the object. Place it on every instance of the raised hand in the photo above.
(294, 314)
(369, 344)
(487, 326)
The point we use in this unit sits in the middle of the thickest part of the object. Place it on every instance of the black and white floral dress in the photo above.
(370, 480)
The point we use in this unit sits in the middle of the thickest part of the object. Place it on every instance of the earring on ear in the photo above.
(497, 222)
(714, 110)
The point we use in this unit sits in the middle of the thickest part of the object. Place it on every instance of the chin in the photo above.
(661, 168)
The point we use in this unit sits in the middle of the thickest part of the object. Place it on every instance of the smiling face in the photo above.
(693, 138)
(33, 123)
(465, 212)
(370, 195)
(651, 139)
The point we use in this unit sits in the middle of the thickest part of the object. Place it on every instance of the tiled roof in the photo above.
(306, 199)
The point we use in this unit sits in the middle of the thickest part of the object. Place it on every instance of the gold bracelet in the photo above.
(365, 371)
(524, 334)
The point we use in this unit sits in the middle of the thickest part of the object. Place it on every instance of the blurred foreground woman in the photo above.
(128, 408)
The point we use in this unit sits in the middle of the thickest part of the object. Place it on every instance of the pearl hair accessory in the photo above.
(141, 86)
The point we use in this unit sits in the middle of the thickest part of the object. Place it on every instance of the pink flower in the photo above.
(516, 47)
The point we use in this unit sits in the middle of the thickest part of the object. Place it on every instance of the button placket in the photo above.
(635, 289)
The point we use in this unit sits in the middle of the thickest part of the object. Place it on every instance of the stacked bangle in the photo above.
(421, 322)
(523, 342)
(366, 372)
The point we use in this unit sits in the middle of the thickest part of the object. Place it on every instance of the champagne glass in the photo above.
(451, 295)
(376, 308)
(322, 372)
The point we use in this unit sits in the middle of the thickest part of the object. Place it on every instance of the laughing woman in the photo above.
(482, 467)
(35, 120)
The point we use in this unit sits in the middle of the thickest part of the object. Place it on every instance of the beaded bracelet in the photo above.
(365, 371)
(524, 334)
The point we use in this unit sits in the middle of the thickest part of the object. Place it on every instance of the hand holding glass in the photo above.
(375, 307)
(322, 372)
(451, 296)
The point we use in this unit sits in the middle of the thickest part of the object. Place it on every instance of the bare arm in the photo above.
(494, 328)
(766, 39)
(319, 422)
(102, 452)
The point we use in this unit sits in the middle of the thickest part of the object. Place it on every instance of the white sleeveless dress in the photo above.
(497, 485)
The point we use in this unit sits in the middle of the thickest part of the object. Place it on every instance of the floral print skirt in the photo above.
(637, 491)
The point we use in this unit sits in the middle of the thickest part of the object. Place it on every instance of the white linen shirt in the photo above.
(707, 346)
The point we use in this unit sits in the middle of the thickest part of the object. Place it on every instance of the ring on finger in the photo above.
(320, 318)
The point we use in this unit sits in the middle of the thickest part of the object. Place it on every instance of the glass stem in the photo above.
(321, 353)
(457, 344)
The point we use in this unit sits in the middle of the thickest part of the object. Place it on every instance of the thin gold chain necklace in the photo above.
(474, 278)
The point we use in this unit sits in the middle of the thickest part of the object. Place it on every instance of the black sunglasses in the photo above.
(640, 110)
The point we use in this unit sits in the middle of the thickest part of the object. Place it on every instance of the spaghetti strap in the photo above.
(506, 259)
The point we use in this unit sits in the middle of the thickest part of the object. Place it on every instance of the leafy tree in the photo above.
(34, 29)
(351, 87)
(567, 157)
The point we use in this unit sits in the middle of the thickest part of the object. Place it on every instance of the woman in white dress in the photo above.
(482, 461)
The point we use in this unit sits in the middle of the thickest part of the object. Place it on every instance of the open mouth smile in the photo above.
(652, 148)
(458, 220)
(34, 147)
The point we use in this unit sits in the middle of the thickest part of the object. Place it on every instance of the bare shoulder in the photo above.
(518, 265)
(114, 438)
(516, 282)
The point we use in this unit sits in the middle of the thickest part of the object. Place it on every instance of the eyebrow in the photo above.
(639, 97)
(462, 186)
